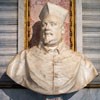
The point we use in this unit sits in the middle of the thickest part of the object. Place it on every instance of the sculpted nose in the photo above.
(47, 27)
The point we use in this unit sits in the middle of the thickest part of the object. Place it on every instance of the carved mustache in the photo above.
(48, 33)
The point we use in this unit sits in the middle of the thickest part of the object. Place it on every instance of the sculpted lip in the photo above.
(48, 33)
(52, 41)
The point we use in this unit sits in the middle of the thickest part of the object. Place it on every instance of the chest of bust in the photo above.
(53, 68)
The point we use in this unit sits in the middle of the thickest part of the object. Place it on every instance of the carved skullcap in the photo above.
(55, 10)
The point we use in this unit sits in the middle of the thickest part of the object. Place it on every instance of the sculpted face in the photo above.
(51, 30)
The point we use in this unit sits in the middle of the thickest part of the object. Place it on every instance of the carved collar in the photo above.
(59, 48)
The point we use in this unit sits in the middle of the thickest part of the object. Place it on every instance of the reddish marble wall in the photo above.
(34, 10)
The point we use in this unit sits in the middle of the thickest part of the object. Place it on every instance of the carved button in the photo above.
(56, 75)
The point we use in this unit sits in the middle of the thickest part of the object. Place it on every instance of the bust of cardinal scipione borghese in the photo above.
(51, 67)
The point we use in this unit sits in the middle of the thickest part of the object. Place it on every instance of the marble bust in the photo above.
(51, 67)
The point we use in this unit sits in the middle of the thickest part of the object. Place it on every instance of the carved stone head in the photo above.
(52, 18)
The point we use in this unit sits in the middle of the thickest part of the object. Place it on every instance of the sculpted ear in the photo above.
(62, 30)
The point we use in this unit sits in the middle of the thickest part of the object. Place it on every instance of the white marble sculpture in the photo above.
(51, 67)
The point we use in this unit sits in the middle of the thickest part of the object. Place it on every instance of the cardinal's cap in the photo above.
(55, 10)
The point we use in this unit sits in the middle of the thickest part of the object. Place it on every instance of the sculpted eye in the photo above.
(43, 24)
(53, 23)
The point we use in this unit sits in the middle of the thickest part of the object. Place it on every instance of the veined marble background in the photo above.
(88, 31)
(8, 31)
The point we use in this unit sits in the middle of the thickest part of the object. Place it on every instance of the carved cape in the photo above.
(51, 73)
